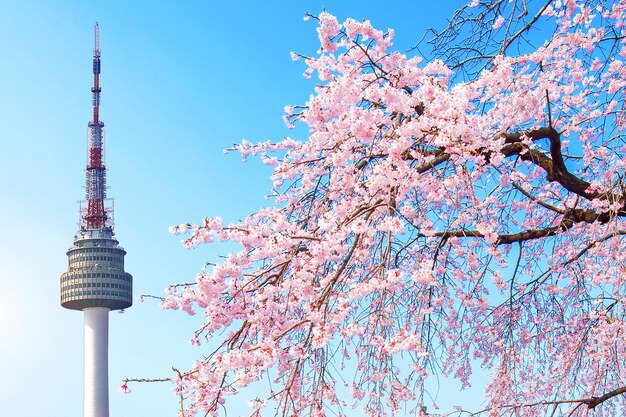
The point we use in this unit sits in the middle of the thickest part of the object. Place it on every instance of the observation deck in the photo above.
(95, 275)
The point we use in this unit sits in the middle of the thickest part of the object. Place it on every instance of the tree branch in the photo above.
(570, 218)
(593, 402)
(554, 165)
(525, 28)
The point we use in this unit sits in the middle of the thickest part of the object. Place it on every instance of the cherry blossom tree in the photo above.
(441, 217)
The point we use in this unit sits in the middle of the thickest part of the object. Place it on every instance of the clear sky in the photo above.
(181, 81)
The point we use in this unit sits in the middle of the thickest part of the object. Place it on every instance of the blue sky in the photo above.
(181, 81)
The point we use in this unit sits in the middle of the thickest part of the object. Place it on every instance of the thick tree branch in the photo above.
(554, 165)
(570, 218)
(593, 402)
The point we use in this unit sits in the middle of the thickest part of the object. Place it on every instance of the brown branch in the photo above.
(525, 28)
(344, 263)
(147, 379)
(152, 296)
(440, 158)
(570, 218)
(549, 109)
(532, 197)
(592, 244)
(182, 398)
(554, 165)
(593, 402)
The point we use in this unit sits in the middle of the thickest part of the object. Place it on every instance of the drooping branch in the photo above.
(594, 243)
(476, 34)
(529, 25)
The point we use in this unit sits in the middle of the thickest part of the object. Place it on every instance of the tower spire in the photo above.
(96, 216)
(96, 73)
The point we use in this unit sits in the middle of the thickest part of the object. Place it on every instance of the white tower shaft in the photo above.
(96, 384)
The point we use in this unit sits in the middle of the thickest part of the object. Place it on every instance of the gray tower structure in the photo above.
(96, 276)
(95, 282)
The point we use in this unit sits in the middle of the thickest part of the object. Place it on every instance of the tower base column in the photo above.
(96, 383)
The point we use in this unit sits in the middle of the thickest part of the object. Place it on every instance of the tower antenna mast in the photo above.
(96, 73)
(96, 217)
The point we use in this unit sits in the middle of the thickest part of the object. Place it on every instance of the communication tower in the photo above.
(95, 282)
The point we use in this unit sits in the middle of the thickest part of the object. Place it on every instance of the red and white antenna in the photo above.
(96, 216)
